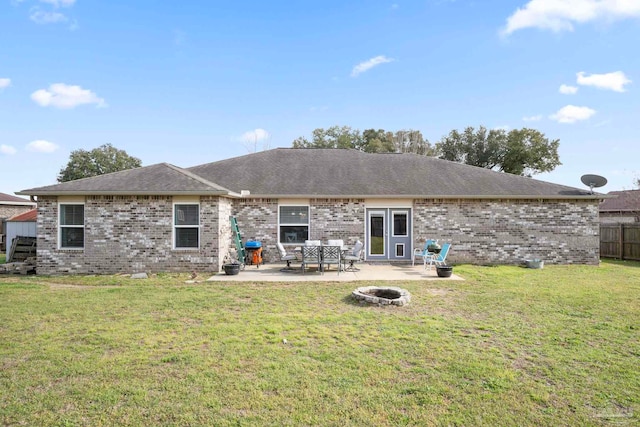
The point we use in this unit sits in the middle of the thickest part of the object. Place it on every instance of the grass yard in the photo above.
(508, 346)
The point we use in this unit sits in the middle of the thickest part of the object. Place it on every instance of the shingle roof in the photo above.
(161, 178)
(628, 200)
(31, 215)
(338, 172)
(288, 172)
(8, 199)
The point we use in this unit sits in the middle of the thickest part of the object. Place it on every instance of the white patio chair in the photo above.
(353, 257)
(284, 256)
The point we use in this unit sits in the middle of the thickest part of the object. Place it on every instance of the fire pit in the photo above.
(388, 295)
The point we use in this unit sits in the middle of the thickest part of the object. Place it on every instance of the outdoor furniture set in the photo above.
(314, 252)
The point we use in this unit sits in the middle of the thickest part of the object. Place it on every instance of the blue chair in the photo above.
(421, 253)
(438, 259)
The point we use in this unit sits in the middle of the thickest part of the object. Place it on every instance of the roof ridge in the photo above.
(196, 177)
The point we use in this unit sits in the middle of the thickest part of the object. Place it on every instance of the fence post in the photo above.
(621, 243)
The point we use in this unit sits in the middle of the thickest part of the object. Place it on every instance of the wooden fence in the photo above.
(621, 241)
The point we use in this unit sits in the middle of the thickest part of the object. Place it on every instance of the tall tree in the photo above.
(369, 141)
(333, 137)
(101, 160)
(520, 151)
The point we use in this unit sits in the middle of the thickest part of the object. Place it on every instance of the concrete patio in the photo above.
(368, 272)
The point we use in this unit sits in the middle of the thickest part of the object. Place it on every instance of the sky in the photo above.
(194, 82)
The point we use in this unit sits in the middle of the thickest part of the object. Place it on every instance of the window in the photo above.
(71, 229)
(186, 222)
(294, 224)
(400, 221)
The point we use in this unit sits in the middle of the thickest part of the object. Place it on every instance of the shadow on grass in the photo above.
(620, 262)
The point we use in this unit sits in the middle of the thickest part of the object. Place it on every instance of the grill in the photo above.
(253, 249)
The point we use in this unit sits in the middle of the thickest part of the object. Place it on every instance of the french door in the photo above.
(388, 234)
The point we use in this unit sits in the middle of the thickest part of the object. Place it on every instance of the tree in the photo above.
(333, 137)
(101, 160)
(369, 141)
(520, 151)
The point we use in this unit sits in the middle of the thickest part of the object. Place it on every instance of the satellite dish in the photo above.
(593, 181)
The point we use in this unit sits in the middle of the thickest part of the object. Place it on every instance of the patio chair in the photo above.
(353, 257)
(284, 256)
(421, 253)
(330, 255)
(310, 255)
(438, 259)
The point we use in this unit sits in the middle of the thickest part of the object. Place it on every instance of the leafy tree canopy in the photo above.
(101, 160)
(370, 141)
(520, 151)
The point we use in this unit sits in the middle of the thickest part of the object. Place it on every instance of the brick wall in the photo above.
(508, 232)
(329, 219)
(126, 234)
(7, 211)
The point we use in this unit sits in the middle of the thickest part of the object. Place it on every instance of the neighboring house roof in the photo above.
(628, 200)
(158, 179)
(8, 199)
(288, 172)
(28, 216)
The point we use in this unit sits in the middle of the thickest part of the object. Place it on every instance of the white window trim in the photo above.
(308, 224)
(393, 220)
(60, 227)
(174, 226)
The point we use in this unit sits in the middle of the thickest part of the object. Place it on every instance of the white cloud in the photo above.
(613, 81)
(41, 17)
(58, 3)
(532, 118)
(4, 82)
(568, 90)
(42, 146)
(560, 15)
(369, 64)
(572, 114)
(60, 95)
(7, 149)
(255, 135)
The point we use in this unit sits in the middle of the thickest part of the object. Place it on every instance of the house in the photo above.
(166, 218)
(23, 224)
(622, 207)
(10, 206)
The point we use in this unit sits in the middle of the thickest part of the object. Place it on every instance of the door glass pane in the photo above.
(400, 224)
(376, 230)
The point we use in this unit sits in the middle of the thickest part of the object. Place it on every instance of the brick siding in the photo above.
(126, 234)
(510, 231)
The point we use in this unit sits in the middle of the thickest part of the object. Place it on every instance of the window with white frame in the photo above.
(71, 226)
(186, 226)
(293, 224)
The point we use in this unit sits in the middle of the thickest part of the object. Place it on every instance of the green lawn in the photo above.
(508, 346)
